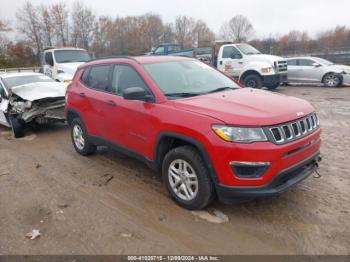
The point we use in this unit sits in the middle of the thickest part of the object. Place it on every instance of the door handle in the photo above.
(111, 103)
(240, 63)
(82, 95)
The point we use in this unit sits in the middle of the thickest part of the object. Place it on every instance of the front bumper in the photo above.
(280, 183)
(275, 79)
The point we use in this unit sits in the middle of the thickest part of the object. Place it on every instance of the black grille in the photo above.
(284, 133)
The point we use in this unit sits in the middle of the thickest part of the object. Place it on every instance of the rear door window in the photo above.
(97, 77)
(305, 62)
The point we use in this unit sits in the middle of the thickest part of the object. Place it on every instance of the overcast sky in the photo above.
(267, 16)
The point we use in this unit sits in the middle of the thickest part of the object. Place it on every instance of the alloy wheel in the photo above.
(78, 137)
(183, 179)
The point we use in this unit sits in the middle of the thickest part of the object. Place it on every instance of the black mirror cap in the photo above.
(137, 93)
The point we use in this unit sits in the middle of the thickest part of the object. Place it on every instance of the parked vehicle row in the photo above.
(209, 137)
(317, 70)
(241, 61)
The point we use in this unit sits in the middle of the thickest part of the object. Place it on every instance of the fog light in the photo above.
(249, 169)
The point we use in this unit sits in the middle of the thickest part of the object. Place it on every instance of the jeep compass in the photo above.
(208, 136)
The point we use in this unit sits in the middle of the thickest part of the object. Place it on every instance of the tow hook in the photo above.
(317, 160)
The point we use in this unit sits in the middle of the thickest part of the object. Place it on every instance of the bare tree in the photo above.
(151, 30)
(83, 25)
(103, 35)
(168, 33)
(238, 29)
(60, 18)
(28, 24)
(47, 26)
(202, 34)
(183, 29)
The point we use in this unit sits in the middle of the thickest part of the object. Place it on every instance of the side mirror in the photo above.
(137, 93)
(316, 65)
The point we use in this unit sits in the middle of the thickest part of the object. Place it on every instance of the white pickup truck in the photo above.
(249, 66)
(61, 63)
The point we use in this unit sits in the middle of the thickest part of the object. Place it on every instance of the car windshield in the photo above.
(71, 56)
(25, 79)
(248, 49)
(322, 61)
(188, 78)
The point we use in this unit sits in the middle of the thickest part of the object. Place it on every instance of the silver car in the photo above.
(27, 98)
(317, 70)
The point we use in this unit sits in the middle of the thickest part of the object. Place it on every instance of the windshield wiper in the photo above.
(188, 94)
(220, 89)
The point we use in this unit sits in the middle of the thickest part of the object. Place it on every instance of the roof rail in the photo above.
(117, 56)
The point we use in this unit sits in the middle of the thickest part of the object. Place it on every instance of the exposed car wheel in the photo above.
(332, 80)
(253, 81)
(17, 126)
(80, 138)
(273, 87)
(187, 178)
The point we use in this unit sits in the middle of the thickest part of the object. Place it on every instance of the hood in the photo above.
(69, 68)
(341, 68)
(263, 58)
(39, 90)
(246, 106)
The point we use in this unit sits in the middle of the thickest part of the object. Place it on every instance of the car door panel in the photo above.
(90, 96)
(293, 73)
(130, 121)
(307, 72)
(3, 108)
(230, 61)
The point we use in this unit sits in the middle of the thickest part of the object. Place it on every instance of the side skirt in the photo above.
(98, 141)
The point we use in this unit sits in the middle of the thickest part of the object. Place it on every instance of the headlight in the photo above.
(239, 134)
(266, 70)
(28, 104)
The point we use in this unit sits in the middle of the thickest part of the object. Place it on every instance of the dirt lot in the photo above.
(45, 185)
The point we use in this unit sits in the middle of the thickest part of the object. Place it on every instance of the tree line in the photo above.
(59, 25)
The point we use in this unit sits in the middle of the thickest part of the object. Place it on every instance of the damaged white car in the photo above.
(30, 98)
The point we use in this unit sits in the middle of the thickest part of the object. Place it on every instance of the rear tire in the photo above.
(187, 178)
(253, 81)
(80, 139)
(332, 80)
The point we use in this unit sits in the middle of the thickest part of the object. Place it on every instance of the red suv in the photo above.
(209, 137)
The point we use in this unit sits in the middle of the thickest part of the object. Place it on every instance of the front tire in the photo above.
(187, 178)
(18, 127)
(80, 139)
(332, 80)
(253, 81)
